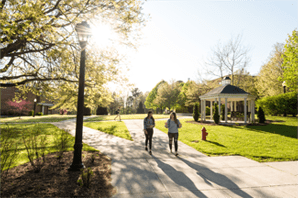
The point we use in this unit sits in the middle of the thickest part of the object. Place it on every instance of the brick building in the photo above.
(42, 104)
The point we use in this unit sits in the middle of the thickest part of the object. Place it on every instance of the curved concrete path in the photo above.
(137, 174)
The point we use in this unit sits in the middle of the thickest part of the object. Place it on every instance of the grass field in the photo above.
(274, 142)
(30, 119)
(114, 128)
(49, 130)
(125, 117)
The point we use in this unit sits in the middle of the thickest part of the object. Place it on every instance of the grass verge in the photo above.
(47, 129)
(114, 128)
(273, 142)
(30, 119)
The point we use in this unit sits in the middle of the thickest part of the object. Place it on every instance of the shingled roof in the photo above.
(226, 89)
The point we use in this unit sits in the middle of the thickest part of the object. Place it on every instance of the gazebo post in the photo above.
(249, 109)
(219, 108)
(204, 110)
(245, 111)
(253, 110)
(211, 110)
(226, 109)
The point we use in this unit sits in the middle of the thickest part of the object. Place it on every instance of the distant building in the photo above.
(42, 104)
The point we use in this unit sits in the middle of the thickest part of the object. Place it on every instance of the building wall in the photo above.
(8, 94)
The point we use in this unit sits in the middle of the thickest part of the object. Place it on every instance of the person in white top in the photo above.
(173, 124)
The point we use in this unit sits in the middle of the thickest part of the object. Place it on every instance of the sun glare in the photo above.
(103, 35)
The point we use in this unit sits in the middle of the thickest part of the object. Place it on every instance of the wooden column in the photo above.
(211, 110)
(226, 110)
(245, 111)
(219, 107)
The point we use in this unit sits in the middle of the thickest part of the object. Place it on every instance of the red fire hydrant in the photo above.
(204, 133)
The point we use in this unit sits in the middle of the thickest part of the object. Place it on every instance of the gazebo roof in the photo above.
(226, 89)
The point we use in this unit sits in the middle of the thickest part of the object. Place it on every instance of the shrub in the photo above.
(31, 113)
(101, 110)
(85, 177)
(207, 110)
(39, 113)
(62, 142)
(196, 113)
(261, 115)
(222, 109)
(35, 144)
(9, 151)
(215, 115)
(279, 104)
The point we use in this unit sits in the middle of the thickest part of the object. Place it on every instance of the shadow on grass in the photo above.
(216, 143)
(284, 130)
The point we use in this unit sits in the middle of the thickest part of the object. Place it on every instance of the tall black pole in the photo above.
(77, 154)
(34, 109)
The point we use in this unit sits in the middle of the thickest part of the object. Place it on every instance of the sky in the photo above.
(180, 34)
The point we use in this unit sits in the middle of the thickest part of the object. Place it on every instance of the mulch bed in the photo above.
(223, 124)
(54, 180)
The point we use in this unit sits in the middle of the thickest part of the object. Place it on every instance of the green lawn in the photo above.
(273, 142)
(125, 117)
(47, 129)
(44, 118)
(111, 127)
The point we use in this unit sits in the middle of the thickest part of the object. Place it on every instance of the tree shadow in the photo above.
(217, 178)
(284, 130)
(179, 178)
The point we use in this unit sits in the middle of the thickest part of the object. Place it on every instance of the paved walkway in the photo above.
(137, 174)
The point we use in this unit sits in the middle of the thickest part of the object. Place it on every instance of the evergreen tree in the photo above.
(261, 115)
(196, 113)
(215, 115)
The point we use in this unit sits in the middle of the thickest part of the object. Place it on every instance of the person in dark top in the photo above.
(118, 114)
(173, 124)
(149, 124)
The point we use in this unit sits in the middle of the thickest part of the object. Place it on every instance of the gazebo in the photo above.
(228, 93)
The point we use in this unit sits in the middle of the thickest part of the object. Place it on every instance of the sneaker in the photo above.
(176, 154)
(150, 153)
(146, 148)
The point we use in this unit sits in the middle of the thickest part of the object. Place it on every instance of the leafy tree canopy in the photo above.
(290, 61)
(39, 50)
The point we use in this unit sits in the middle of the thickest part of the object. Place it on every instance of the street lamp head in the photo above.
(226, 80)
(84, 32)
(35, 100)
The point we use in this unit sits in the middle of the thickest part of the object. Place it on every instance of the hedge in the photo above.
(279, 104)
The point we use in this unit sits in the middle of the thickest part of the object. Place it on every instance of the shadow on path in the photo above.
(179, 178)
(217, 178)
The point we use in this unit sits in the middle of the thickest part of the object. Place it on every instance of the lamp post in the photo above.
(284, 88)
(34, 107)
(83, 31)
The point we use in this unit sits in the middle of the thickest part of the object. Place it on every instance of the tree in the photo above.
(261, 115)
(140, 108)
(290, 62)
(39, 49)
(152, 95)
(267, 82)
(228, 58)
(196, 113)
(19, 106)
(216, 115)
(167, 95)
(38, 37)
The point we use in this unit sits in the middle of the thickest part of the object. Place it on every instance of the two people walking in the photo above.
(172, 124)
